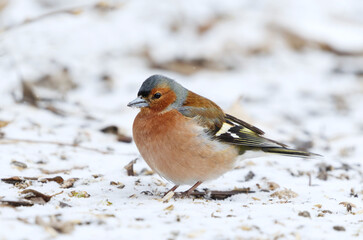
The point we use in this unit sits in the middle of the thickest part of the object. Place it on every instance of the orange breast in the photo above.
(179, 150)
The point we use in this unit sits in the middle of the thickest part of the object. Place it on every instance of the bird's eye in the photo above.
(157, 95)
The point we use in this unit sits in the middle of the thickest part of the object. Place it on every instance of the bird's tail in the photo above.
(290, 152)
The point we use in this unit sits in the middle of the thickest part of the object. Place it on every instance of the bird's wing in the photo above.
(224, 127)
(209, 120)
(202, 110)
(238, 132)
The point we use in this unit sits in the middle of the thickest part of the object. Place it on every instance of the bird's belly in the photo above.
(184, 157)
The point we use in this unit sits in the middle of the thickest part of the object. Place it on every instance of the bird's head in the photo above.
(158, 93)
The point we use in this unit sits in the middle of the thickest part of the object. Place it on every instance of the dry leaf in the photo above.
(339, 228)
(31, 194)
(118, 184)
(272, 186)
(19, 165)
(69, 183)
(130, 168)
(115, 131)
(304, 214)
(16, 203)
(57, 179)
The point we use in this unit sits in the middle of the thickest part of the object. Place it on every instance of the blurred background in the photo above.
(290, 61)
(293, 68)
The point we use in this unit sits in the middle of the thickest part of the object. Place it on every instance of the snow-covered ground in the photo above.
(292, 68)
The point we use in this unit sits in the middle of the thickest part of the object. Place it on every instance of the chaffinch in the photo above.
(188, 139)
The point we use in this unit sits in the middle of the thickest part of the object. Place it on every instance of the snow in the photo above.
(298, 90)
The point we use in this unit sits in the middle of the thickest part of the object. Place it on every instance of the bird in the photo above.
(188, 139)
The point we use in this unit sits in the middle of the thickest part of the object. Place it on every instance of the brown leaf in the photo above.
(69, 183)
(339, 228)
(304, 214)
(130, 168)
(115, 131)
(16, 203)
(57, 179)
(118, 184)
(31, 194)
(110, 129)
(17, 179)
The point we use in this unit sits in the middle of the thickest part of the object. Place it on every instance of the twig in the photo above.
(217, 195)
(12, 140)
(73, 10)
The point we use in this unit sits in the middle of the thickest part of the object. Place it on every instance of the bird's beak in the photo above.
(139, 102)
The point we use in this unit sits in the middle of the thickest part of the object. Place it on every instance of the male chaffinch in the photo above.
(188, 139)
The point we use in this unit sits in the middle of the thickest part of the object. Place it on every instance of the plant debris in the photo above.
(130, 168)
(69, 182)
(80, 194)
(3, 123)
(339, 228)
(348, 205)
(45, 171)
(118, 184)
(115, 131)
(272, 186)
(57, 179)
(16, 179)
(304, 214)
(323, 171)
(250, 175)
(55, 226)
(16, 203)
(216, 195)
(37, 197)
(19, 165)
(169, 208)
(284, 194)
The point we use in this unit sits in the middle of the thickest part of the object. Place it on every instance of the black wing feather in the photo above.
(245, 134)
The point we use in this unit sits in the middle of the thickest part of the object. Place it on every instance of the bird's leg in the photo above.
(190, 190)
(171, 190)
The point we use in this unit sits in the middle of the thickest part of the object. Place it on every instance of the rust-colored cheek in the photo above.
(167, 98)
